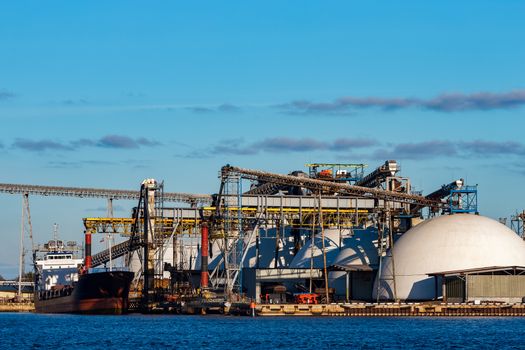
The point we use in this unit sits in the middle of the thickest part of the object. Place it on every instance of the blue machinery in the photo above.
(464, 199)
(341, 172)
(460, 197)
(517, 224)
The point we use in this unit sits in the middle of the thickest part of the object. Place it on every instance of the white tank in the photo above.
(446, 243)
(267, 247)
(332, 242)
(360, 248)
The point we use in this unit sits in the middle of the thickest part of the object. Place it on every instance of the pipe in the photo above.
(204, 256)
(87, 260)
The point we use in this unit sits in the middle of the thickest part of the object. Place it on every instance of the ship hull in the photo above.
(94, 293)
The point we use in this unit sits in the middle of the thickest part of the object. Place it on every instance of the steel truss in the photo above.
(194, 199)
(330, 187)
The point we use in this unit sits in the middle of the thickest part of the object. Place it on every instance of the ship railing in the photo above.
(107, 269)
(55, 293)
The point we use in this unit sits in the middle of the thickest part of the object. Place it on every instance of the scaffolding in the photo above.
(231, 215)
(464, 200)
(517, 223)
(385, 239)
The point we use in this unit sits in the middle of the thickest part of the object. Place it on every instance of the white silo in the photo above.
(309, 252)
(446, 243)
(267, 247)
(358, 250)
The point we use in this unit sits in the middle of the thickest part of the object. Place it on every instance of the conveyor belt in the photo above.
(444, 191)
(341, 188)
(99, 193)
(117, 251)
(371, 180)
(268, 188)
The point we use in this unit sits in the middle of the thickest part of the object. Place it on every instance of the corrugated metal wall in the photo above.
(455, 289)
(486, 286)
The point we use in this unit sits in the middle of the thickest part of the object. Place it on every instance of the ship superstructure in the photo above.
(59, 266)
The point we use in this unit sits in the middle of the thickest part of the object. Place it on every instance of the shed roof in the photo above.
(478, 270)
(13, 288)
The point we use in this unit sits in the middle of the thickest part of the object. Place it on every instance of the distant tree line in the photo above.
(26, 277)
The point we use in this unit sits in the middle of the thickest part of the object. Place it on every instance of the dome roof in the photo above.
(266, 251)
(446, 243)
(358, 249)
(304, 256)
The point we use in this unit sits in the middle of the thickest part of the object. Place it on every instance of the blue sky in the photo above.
(104, 94)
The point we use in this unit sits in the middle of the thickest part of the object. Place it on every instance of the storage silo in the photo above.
(446, 243)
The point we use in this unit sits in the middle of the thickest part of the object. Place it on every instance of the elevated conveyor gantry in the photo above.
(83, 192)
(317, 185)
(440, 194)
(390, 168)
(117, 251)
(267, 188)
(444, 191)
(272, 188)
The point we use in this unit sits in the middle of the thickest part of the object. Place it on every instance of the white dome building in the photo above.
(308, 253)
(266, 250)
(446, 243)
(357, 250)
(360, 248)
(344, 248)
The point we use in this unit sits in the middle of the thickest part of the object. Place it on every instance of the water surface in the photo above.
(33, 331)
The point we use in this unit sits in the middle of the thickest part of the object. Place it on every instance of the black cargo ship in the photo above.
(64, 285)
(93, 293)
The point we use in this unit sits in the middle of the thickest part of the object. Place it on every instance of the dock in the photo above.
(340, 310)
(16, 307)
(389, 310)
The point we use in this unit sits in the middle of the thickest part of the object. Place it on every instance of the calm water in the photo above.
(30, 331)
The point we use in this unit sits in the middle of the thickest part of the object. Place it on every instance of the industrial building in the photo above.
(9, 290)
(331, 234)
(267, 237)
(446, 246)
(504, 284)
